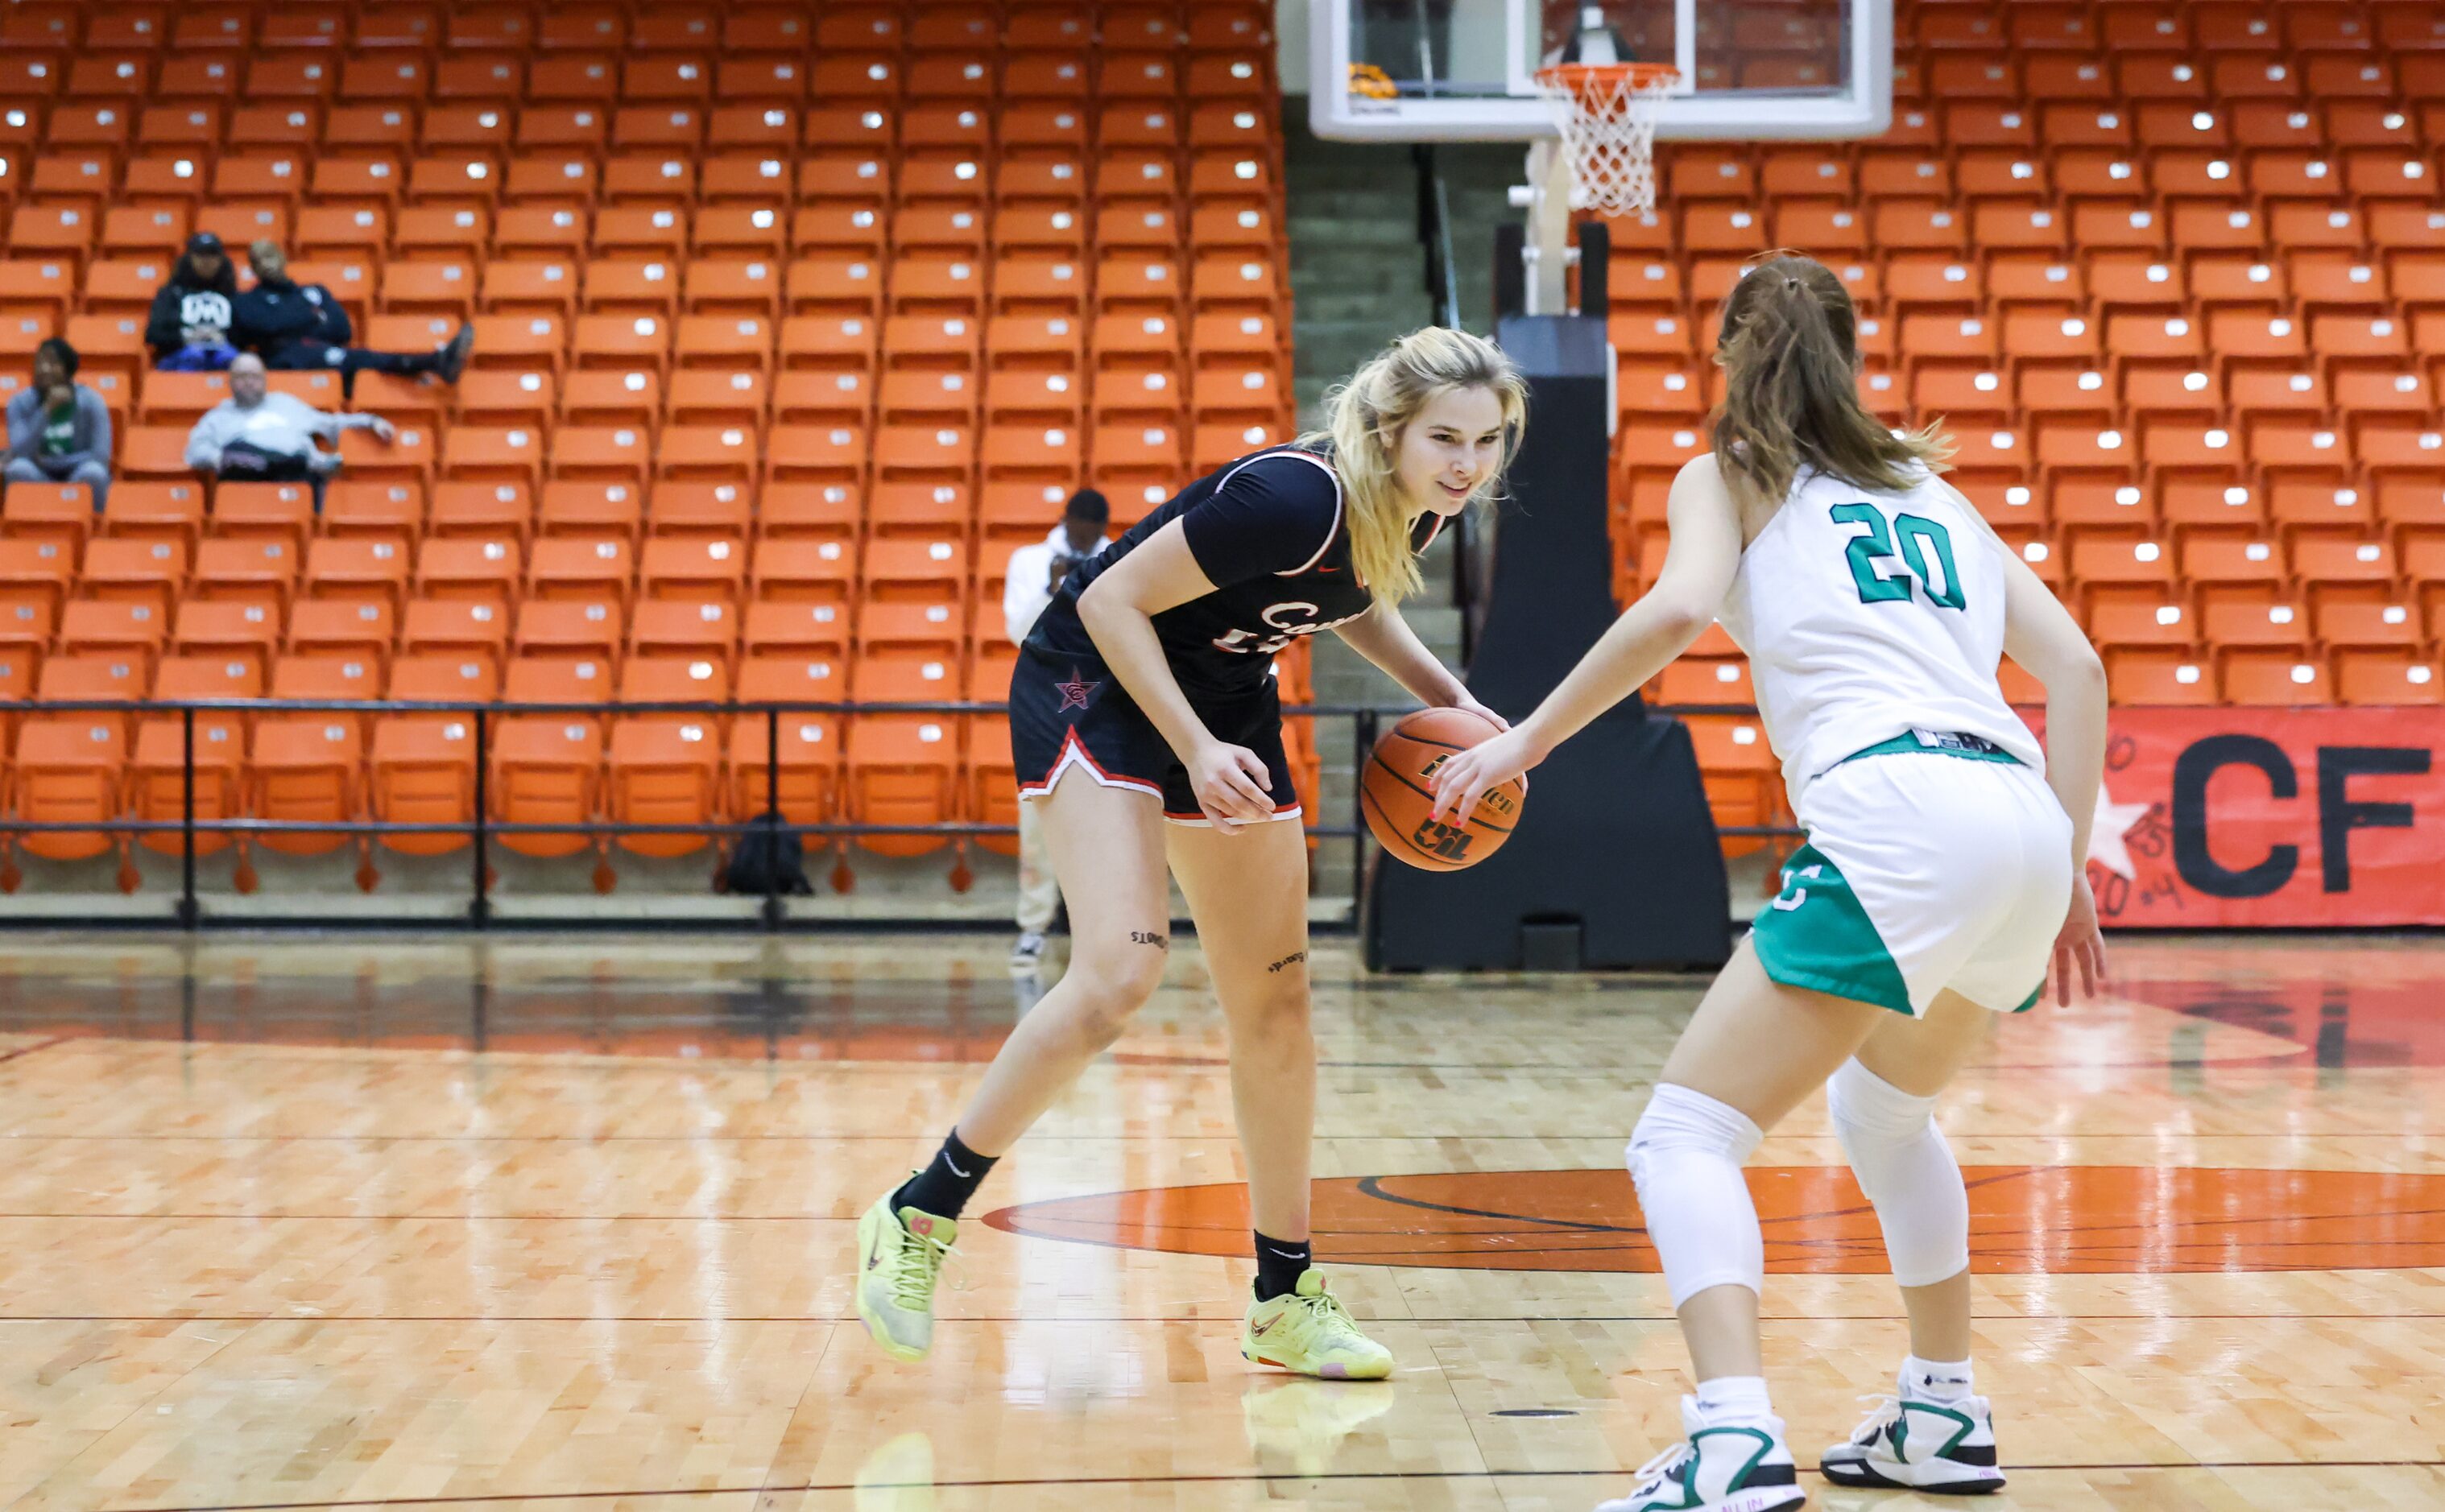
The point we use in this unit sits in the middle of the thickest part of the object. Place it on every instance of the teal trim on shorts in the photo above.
(2031, 1001)
(1912, 745)
(1818, 935)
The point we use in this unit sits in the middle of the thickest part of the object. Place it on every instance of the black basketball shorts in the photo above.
(1076, 714)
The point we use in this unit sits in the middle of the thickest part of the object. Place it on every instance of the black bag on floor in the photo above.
(773, 850)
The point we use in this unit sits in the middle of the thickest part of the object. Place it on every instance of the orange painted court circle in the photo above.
(2036, 1219)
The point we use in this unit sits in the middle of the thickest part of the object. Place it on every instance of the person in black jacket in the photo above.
(189, 327)
(297, 328)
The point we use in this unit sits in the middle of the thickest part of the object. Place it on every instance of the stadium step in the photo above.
(1357, 272)
(1476, 177)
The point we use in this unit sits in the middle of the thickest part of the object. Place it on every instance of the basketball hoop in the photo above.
(1608, 113)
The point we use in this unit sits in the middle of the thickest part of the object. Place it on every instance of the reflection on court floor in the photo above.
(297, 1223)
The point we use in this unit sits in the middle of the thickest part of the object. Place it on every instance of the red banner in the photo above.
(2256, 818)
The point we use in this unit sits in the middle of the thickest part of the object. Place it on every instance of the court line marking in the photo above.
(23, 1050)
(1034, 1138)
(1354, 1476)
(321, 1316)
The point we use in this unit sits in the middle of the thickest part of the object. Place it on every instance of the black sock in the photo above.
(1279, 1265)
(943, 1188)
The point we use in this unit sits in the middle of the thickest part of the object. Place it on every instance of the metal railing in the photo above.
(482, 827)
(1435, 235)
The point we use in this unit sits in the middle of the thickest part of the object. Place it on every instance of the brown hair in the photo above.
(1363, 421)
(1790, 355)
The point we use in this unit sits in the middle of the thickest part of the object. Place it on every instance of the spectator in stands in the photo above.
(58, 430)
(189, 328)
(295, 328)
(1036, 570)
(258, 437)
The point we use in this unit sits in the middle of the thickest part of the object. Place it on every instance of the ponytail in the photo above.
(1790, 355)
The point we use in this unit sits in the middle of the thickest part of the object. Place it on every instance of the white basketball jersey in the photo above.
(1867, 616)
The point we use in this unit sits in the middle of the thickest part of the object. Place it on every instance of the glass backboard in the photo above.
(1463, 70)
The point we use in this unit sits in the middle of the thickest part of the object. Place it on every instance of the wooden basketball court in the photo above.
(566, 1225)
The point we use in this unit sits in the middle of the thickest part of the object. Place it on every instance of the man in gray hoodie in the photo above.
(58, 430)
(255, 435)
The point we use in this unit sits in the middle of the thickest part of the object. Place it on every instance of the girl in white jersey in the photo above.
(1942, 872)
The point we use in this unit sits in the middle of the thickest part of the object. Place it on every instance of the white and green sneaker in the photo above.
(898, 1257)
(1719, 1467)
(1913, 1442)
(1310, 1331)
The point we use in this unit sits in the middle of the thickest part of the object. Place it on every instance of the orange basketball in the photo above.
(1396, 790)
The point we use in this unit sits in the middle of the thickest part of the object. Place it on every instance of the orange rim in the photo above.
(1583, 79)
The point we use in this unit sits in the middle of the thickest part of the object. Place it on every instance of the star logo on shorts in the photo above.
(1074, 693)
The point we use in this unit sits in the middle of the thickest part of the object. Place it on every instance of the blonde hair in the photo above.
(1363, 422)
(1790, 355)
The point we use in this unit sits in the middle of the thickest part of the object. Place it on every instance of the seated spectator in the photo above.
(295, 328)
(255, 435)
(58, 430)
(189, 328)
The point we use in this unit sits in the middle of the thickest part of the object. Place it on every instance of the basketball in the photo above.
(1397, 792)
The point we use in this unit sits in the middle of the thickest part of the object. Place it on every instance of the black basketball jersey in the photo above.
(1269, 533)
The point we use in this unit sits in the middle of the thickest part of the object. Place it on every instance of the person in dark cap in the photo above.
(1036, 573)
(299, 328)
(189, 328)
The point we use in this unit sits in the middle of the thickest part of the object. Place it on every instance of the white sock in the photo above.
(1734, 1399)
(1937, 1380)
(1685, 1160)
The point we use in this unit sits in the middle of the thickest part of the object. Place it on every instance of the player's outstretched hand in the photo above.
(1466, 776)
(1464, 701)
(1231, 783)
(2080, 947)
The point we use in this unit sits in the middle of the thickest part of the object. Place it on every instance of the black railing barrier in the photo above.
(481, 828)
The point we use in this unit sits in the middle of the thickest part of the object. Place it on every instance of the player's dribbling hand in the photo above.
(1465, 779)
(2081, 945)
(1231, 783)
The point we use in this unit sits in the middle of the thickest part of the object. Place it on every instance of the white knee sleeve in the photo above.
(1908, 1171)
(1685, 1159)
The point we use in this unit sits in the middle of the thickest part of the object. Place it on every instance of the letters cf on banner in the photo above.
(2256, 818)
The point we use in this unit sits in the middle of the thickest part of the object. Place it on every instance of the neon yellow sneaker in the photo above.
(1309, 1332)
(899, 1256)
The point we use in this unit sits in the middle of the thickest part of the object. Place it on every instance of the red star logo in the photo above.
(1074, 693)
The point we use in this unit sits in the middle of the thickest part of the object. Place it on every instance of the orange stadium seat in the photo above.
(228, 630)
(665, 768)
(261, 571)
(421, 767)
(307, 767)
(157, 781)
(61, 514)
(546, 768)
(283, 511)
(902, 768)
(593, 570)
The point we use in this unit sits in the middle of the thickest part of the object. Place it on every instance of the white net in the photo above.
(1608, 114)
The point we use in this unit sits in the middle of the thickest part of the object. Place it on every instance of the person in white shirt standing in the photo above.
(1036, 570)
